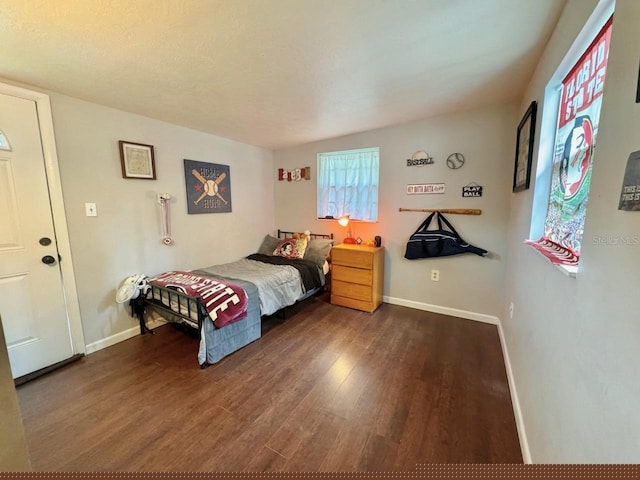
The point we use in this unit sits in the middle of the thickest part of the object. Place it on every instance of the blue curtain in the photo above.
(348, 184)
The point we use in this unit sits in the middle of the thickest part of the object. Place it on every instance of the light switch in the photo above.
(90, 209)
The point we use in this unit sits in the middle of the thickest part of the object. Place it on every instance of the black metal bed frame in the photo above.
(191, 304)
(313, 236)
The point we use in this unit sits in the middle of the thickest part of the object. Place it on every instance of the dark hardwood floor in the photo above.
(328, 388)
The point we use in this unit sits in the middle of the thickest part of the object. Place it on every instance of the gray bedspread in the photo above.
(278, 285)
(217, 343)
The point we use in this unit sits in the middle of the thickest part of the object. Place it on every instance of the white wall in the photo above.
(468, 284)
(124, 238)
(573, 342)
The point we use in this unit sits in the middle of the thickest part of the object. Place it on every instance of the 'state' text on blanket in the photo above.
(225, 302)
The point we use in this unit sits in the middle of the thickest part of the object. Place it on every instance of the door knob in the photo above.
(48, 259)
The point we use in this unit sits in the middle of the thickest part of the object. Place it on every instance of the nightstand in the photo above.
(357, 276)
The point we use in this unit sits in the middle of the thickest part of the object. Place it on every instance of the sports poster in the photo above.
(208, 187)
(578, 121)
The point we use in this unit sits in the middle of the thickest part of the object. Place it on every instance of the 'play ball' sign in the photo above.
(472, 191)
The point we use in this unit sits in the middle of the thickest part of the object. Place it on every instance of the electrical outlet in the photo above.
(435, 275)
(90, 210)
(511, 310)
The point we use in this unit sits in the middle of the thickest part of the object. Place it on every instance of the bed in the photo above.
(277, 276)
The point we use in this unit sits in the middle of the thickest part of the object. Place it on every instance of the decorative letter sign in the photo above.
(425, 188)
(296, 174)
(472, 190)
(630, 195)
(419, 159)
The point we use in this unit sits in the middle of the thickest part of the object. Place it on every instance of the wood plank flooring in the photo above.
(327, 389)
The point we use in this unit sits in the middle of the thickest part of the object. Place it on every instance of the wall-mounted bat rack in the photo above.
(459, 211)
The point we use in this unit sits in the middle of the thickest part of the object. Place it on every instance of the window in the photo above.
(348, 184)
(4, 142)
(574, 99)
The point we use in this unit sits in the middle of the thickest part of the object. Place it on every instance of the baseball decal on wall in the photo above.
(419, 159)
(455, 161)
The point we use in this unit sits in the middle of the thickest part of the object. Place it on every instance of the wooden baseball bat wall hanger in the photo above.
(459, 211)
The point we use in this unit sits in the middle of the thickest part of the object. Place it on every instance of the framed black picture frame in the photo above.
(524, 149)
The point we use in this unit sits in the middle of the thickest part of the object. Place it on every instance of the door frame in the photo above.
(49, 151)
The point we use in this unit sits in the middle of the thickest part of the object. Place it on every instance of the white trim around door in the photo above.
(45, 119)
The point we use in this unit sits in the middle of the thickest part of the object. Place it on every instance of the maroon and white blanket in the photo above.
(225, 301)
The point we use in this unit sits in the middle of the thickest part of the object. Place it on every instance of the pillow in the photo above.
(291, 248)
(318, 250)
(268, 245)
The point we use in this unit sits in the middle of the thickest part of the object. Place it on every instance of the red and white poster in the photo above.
(578, 120)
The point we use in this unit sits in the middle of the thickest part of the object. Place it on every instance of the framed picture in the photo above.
(524, 149)
(638, 89)
(137, 160)
(208, 187)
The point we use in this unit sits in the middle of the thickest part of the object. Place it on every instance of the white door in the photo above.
(32, 301)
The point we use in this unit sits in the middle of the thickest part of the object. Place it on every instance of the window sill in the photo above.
(335, 219)
(569, 271)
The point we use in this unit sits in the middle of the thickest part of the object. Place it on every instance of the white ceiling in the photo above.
(278, 73)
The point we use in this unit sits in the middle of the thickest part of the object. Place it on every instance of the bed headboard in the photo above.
(284, 234)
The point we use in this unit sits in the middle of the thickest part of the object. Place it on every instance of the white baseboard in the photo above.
(120, 336)
(522, 434)
(480, 317)
(454, 312)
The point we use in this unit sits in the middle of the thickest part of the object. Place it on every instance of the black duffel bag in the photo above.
(425, 243)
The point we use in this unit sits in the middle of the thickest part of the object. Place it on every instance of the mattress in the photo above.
(269, 288)
(278, 285)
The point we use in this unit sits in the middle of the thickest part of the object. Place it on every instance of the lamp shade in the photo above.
(344, 221)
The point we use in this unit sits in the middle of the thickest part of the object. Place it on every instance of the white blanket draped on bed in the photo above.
(278, 285)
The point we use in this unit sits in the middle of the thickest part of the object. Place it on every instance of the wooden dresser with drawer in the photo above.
(357, 276)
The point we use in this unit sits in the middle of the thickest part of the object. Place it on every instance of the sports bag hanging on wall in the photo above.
(425, 243)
